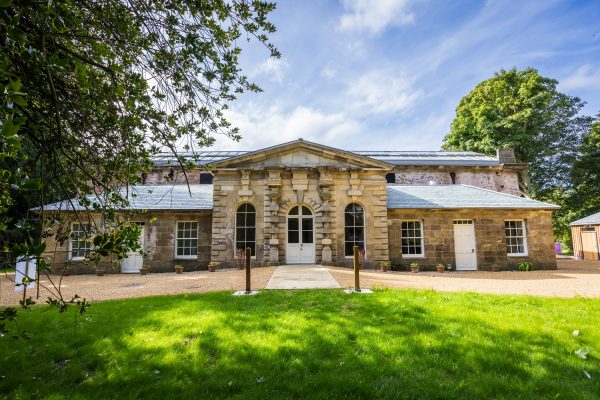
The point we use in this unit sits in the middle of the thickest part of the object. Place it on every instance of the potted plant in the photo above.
(495, 268)
(440, 267)
(99, 271)
(414, 267)
(179, 269)
(144, 269)
(385, 265)
(212, 266)
(525, 266)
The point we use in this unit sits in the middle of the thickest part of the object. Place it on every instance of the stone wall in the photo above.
(172, 176)
(274, 191)
(168, 175)
(500, 180)
(159, 241)
(229, 192)
(438, 232)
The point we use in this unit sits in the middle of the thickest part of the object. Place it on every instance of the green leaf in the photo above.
(39, 249)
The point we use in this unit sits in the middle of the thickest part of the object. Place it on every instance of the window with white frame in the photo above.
(354, 228)
(187, 239)
(516, 237)
(80, 246)
(245, 228)
(412, 239)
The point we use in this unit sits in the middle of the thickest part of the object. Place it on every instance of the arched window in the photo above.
(354, 228)
(245, 228)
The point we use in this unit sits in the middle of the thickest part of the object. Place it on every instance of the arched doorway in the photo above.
(300, 248)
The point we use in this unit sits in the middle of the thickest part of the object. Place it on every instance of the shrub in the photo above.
(525, 266)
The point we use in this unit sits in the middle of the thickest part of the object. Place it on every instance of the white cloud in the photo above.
(374, 16)
(261, 127)
(585, 77)
(383, 91)
(493, 37)
(328, 73)
(273, 68)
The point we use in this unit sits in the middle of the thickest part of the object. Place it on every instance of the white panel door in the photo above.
(134, 260)
(464, 245)
(300, 248)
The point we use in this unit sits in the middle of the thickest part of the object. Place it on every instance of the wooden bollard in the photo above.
(248, 256)
(356, 270)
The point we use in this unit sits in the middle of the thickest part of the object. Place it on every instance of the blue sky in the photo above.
(388, 74)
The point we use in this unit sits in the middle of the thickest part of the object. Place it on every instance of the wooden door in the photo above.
(589, 243)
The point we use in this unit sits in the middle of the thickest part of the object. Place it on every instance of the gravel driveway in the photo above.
(121, 286)
(573, 278)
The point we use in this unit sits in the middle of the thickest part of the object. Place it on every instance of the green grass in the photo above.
(309, 344)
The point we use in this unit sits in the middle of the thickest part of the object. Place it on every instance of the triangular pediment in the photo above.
(301, 154)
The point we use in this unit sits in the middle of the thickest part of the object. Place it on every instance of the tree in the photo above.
(585, 174)
(525, 111)
(91, 89)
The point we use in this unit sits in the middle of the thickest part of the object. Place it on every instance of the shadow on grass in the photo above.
(310, 344)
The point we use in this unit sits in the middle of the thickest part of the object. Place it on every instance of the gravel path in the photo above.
(573, 278)
(121, 286)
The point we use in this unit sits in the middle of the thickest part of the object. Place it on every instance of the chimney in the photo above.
(506, 156)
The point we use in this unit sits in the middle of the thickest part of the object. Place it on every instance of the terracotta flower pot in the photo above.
(385, 266)
(440, 268)
(414, 269)
(212, 267)
(143, 271)
(179, 269)
(99, 272)
(495, 268)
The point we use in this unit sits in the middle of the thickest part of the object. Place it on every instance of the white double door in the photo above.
(134, 260)
(464, 245)
(300, 248)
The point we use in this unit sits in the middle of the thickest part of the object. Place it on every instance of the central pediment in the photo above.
(301, 154)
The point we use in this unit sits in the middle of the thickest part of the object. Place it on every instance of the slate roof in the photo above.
(456, 197)
(153, 197)
(593, 219)
(398, 158)
(177, 197)
(205, 157)
(456, 158)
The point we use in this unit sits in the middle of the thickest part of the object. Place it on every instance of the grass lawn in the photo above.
(309, 344)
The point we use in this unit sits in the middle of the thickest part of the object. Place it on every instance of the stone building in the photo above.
(302, 202)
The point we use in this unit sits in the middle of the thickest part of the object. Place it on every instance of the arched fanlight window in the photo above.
(245, 228)
(354, 228)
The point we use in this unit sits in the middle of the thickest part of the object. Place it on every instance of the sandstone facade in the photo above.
(322, 184)
(158, 240)
(439, 240)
